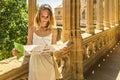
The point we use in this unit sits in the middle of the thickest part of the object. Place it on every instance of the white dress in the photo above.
(41, 67)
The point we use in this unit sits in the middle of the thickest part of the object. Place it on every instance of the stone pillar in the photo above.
(119, 11)
(66, 35)
(31, 11)
(71, 28)
(79, 41)
(112, 13)
(116, 13)
(100, 15)
(119, 18)
(106, 14)
(89, 17)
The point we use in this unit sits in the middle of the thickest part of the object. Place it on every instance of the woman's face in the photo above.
(44, 18)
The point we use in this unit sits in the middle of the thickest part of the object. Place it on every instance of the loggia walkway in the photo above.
(107, 68)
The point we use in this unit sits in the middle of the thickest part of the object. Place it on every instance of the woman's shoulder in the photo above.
(54, 32)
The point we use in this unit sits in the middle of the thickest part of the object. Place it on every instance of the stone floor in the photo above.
(107, 68)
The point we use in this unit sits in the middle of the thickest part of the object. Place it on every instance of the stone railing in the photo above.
(97, 45)
(94, 47)
(13, 69)
(64, 61)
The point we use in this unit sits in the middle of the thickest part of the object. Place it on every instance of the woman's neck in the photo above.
(43, 29)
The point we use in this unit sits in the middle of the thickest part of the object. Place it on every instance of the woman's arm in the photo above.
(54, 36)
(54, 41)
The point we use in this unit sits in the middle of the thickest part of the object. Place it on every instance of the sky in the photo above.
(52, 3)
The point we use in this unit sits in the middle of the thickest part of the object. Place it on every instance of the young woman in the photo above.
(41, 67)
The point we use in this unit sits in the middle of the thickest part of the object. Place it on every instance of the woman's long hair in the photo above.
(37, 21)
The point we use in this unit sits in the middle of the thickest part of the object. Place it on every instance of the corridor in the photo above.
(107, 68)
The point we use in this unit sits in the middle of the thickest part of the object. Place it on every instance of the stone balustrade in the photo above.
(94, 46)
(97, 45)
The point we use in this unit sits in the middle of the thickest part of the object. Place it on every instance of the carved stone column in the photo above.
(119, 11)
(31, 11)
(100, 15)
(79, 41)
(66, 35)
(106, 14)
(116, 13)
(71, 28)
(89, 17)
(112, 13)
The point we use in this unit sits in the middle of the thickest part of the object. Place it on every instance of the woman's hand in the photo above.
(15, 52)
(63, 49)
(59, 52)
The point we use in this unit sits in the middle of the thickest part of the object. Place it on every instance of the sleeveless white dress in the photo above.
(41, 67)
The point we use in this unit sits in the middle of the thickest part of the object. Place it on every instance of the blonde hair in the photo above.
(37, 21)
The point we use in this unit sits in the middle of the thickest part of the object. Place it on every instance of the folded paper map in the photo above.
(27, 49)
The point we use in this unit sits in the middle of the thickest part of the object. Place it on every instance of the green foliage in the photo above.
(20, 49)
(13, 25)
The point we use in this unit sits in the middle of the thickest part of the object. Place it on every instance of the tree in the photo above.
(13, 25)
